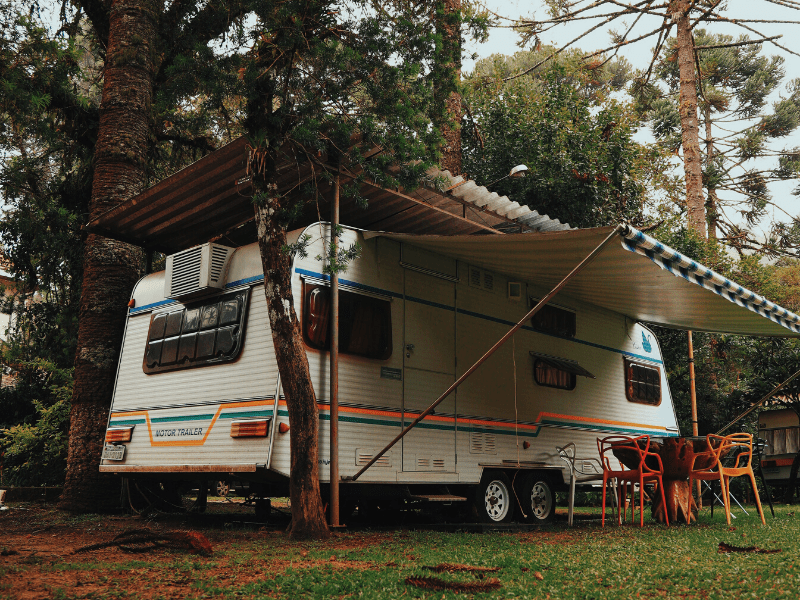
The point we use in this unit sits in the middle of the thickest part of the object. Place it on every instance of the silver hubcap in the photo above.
(496, 500)
(541, 500)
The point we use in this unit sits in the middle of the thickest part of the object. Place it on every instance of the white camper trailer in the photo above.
(198, 392)
(780, 429)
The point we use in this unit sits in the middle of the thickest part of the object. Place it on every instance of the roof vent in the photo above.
(196, 271)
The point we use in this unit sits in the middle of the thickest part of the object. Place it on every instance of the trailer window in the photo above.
(550, 376)
(202, 333)
(365, 323)
(554, 320)
(642, 383)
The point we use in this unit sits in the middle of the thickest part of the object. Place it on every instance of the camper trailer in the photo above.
(198, 393)
(780, 429)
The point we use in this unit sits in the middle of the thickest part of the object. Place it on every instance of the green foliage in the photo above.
(35, 451)
(315, 78)
(584, 166)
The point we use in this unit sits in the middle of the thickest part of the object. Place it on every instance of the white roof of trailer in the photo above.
(634, 275)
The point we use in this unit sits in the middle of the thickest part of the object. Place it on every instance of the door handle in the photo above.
(409, 350)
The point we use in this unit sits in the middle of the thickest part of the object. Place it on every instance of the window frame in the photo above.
(310, 285)
(199, 305)
(573, 380)
(628, 363)
(571, 334)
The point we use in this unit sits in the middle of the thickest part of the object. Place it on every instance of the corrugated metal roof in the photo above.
(479, 196)
(211, 199)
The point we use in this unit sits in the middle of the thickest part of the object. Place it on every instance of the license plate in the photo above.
(113, 453)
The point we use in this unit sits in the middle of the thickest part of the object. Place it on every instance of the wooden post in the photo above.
(693, 400)
(334, 467)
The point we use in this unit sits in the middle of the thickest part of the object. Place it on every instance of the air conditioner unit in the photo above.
(197, 271)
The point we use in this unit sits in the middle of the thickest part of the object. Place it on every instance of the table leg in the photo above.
(680, 504)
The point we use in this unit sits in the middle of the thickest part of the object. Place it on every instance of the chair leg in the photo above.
(571, 499)
(758, 500)
(641, 502)
(726, 499)
(605, 485)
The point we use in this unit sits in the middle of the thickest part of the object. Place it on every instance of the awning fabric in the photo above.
(638, 277)
(563, 364)
(681, 266)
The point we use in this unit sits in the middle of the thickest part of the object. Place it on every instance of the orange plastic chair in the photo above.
(718, 447)
(639, 449)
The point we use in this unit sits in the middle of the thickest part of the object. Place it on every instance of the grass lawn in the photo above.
(249, 561)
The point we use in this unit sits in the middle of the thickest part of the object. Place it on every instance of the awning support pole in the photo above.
(693, 402)
(334, 472)
(760, 402)
(617, 230)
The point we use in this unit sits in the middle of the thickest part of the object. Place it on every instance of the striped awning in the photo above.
(693, 272)
(638, 277)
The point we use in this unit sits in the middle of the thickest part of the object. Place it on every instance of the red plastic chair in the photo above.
(638, 452)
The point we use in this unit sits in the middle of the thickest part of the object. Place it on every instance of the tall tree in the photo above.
(110, 267)
(734, 81)
(150, 51)
(317, 80)
(448, 74)
(656, 19)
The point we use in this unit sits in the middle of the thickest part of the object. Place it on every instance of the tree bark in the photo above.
(679, 9)
(448, 25)
(308, 517)
(111, 268)
(711, 204)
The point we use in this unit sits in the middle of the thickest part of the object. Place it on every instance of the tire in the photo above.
(538, 499)
(221, 488)
(494, 498)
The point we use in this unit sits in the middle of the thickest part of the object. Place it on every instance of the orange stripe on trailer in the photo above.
(153, 442)
(525, 426)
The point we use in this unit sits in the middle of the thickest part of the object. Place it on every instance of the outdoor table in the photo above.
(678, 457)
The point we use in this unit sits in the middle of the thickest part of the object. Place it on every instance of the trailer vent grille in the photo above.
(423, 464)
(364, 456)
(479, 278)
(474, 277)
(186, 271)
(219, 256)
(438, 463)
(482, 442)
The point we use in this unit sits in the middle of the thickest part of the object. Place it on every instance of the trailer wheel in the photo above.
(539, 500)
(221, 488)
(494, 500)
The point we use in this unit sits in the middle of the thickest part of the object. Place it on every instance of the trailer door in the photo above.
(429, 369)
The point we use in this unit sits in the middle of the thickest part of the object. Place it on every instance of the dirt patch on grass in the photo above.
(39, 560)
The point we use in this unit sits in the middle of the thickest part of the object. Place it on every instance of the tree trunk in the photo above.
(679, 9)
(308, 517)
(711, 204)
(448, 25)
(110, 268)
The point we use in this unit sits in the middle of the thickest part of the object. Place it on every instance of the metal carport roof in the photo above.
(211, 199)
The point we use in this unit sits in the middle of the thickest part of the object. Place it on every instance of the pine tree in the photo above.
(734, 81)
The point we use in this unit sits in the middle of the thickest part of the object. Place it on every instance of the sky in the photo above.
(504, 41)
